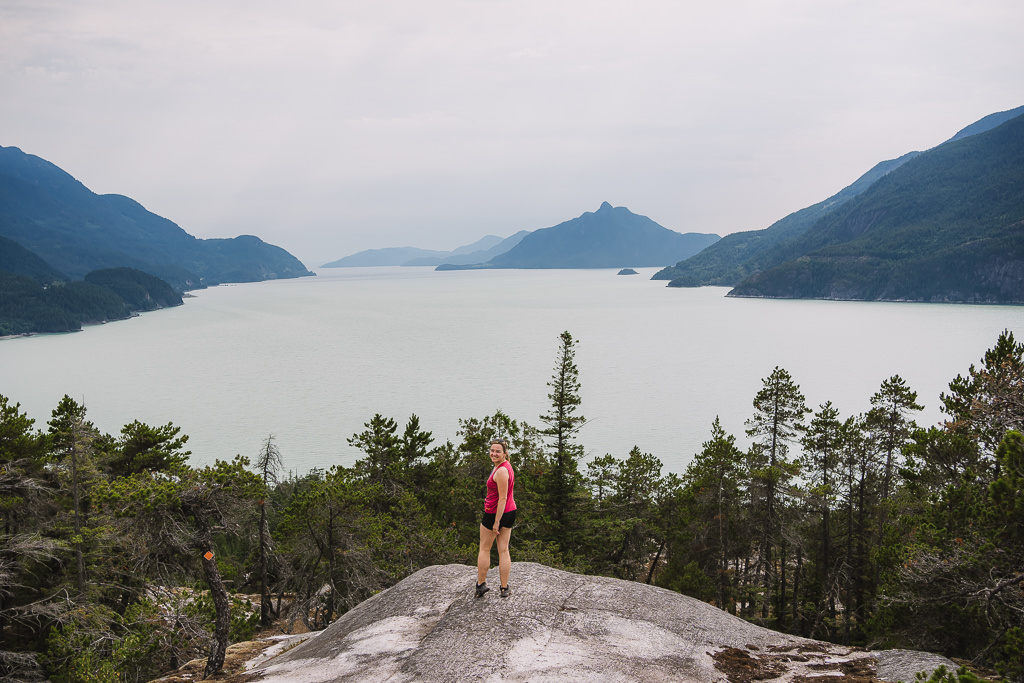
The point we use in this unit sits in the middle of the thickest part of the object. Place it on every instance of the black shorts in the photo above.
(508, 520)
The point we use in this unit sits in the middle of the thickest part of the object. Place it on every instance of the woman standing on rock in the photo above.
(498, 520)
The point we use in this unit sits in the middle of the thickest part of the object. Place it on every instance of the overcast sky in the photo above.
(332, 126)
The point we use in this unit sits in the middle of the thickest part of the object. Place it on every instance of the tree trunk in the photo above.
(745, 607)
(332, 601)
(768, 570)
(79, 556)
(780, 616)
(222, 606)
(860, 561)
(797, 628)
(265, 605)
(657, 557)
(825, 574)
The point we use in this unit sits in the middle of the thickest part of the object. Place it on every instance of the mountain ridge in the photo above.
(743, 254)
(74, 230)
(611, 237)
(476, 255)
(737, 255)
(947, 226)
(483, 249)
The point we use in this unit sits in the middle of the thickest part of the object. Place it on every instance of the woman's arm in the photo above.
(501, 479)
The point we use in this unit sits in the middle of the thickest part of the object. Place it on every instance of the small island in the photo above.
(627, 271)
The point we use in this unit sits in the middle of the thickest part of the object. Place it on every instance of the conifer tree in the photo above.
(889, 424)
(382, 464)
(714, 478)
(989, 401)
(637, 490)
(822, 449)
(858, 491)
(562, 483)
(72, 442)
(778, 419)
(142, 448)
(311, 539)
(177, 518)
(23, 497)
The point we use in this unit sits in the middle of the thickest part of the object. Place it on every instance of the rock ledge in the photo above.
(558, 626)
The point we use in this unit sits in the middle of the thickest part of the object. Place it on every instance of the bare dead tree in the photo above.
(268, 464)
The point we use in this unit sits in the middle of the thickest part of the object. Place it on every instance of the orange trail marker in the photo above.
(208, 555)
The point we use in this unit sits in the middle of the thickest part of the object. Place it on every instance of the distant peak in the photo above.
(605, 206)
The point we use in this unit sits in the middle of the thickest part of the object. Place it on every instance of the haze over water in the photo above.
(311, 360)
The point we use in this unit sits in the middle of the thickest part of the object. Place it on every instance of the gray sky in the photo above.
(331, 126)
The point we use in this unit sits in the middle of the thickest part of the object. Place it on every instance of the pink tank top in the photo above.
(491, 502)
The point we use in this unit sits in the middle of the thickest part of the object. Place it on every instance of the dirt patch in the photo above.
(855, 671)
(805, 664)
(234, 665)
(740, 667)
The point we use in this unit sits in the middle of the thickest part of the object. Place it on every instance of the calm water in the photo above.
(311, 360)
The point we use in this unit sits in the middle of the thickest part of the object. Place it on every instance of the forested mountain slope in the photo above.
(76, 231)
(946, 226)
(740, 255)
(18, 260)
(30, 305)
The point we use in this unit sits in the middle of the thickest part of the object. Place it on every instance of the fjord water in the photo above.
(311, 360)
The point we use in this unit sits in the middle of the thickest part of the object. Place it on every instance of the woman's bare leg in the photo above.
(483, 558)
(504, 559)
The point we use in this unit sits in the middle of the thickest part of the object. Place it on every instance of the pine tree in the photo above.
(714, 477)
(889, 424)
(822, 445)
(72, 439)
(858, 486)
(563, 481)
(989, 401)
(778, 419)
(177, 519)
(24, 499)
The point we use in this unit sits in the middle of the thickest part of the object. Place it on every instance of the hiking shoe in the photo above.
(504, 591)
(481, 588)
